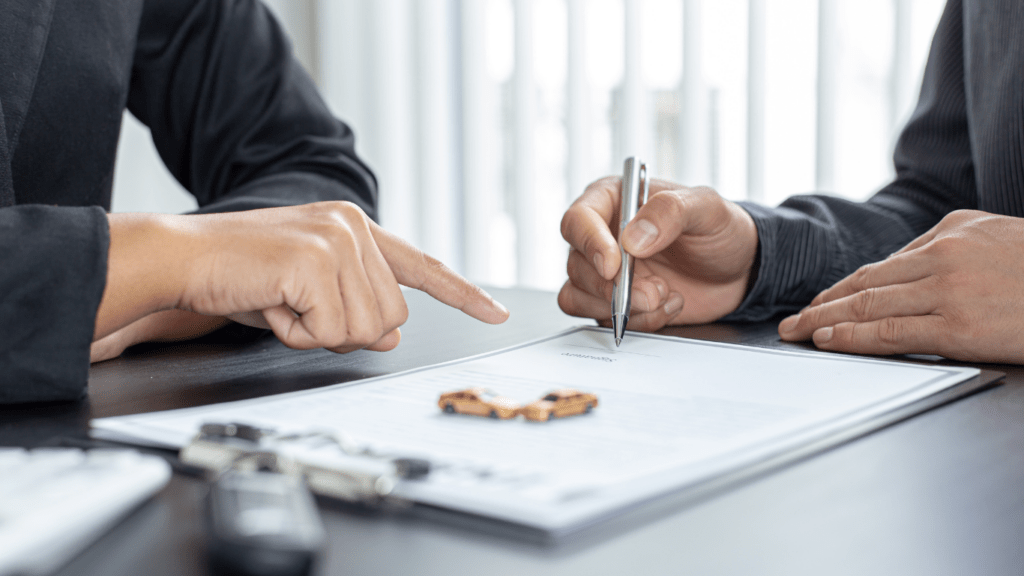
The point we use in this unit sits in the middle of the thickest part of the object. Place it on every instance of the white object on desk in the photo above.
(674, 413)
(56, 501)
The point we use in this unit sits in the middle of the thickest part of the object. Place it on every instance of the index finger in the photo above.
(586, 225)
(416, 269)
(897, 269)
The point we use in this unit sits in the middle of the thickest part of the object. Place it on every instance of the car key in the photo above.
(263, 524)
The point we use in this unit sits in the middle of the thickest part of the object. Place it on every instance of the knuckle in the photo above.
(810, 317)
(366, 333)
(337, 233)
(669, 204)
(437, 269)
(396, 316)
(890, 331)
(943, 247)
(341, 217)
(572, 265)
(705, 196)
(861, 276)
(566, 299)
(603, 184)
(568, 224)
(402, 317)
(351, 211)
(316, 252)
(587, 245)
(961, 216)
(863, 304)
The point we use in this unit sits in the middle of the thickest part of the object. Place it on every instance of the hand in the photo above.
(955, 291)
(694, 251)
(166, 326)
(321, 275)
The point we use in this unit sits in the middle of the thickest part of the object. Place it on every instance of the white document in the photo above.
(672, 413)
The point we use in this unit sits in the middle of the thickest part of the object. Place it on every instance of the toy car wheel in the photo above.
(493, 414)
(449, 408)
(589, 408)
(549, 416)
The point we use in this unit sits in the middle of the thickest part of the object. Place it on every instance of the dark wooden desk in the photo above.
(942, 493)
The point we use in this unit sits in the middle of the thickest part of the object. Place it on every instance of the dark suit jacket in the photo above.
(963, 148)
(233, 116)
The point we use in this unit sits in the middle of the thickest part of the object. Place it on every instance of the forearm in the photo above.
(144, 269)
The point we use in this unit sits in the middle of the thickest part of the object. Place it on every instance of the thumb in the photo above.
(669, 214)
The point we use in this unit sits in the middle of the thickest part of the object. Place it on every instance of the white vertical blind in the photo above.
(524, 115)
(478, 196)
(695, 145)
(632, 113)
(394, 131)
(756, 43)
(824, 176)
(438, 223)
(577, 101)
(341, 40)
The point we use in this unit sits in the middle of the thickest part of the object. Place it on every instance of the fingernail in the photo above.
(640, 234)
(599, 263)
(788, 324)
(499, 306)
(823, 335)
(674, 304)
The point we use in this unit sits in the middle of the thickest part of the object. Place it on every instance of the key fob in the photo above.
(263, 524)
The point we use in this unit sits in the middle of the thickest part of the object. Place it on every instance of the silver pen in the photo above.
(634, 175)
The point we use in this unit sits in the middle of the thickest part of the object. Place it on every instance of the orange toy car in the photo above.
(479, 402)
(567, 402)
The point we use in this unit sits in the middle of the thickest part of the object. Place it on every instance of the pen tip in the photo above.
(618, 341)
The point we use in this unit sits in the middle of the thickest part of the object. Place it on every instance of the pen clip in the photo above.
(643, 178)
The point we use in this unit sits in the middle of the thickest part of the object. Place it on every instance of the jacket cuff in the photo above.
(52, 285)
(798, 259)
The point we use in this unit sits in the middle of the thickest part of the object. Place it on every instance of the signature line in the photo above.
(613, 351)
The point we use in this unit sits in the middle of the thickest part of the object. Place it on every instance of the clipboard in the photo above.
(675, 487)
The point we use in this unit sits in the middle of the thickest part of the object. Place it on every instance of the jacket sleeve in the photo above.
(233, 115)
(811, 242)
(51, 285)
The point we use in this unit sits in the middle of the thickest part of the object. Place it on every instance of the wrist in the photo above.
(144, 269)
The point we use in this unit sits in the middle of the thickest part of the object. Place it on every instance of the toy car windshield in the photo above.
(551, 397)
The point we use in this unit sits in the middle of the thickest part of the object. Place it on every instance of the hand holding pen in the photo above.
(693, 255)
